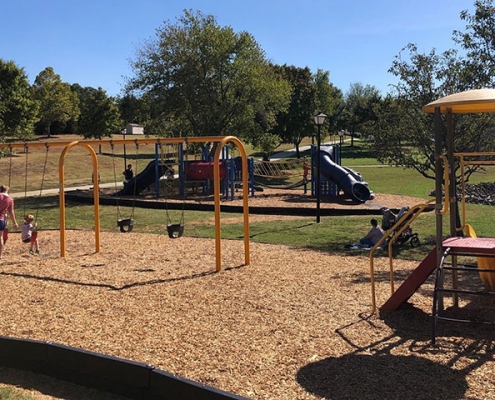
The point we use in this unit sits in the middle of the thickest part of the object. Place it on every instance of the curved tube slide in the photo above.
(349, 181)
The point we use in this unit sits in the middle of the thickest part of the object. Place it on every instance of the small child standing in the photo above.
(29, 234)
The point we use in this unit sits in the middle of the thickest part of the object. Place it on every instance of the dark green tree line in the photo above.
(18, 109)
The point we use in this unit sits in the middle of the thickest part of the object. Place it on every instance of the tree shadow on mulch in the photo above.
(371, 371)
(381, 376)
(110, 286)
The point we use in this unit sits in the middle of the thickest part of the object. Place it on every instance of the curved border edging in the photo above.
(297, 211)
(110, 374)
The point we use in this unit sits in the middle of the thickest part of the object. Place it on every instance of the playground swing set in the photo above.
(174, 230)
(162, 173)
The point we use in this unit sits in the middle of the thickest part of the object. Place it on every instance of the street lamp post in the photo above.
(319, 120)
(125, 155)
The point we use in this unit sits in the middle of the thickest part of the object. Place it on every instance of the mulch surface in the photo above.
(294, 324)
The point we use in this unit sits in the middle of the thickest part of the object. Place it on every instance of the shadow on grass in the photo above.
(357, 151)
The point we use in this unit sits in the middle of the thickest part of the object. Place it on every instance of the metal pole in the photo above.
(318, 139)
(125, 155)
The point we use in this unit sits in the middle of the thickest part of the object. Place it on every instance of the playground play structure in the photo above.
(214, 170)
(333, 176)
(171, 162)
(456, 244)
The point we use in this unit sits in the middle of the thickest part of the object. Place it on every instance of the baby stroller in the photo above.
(388, 221)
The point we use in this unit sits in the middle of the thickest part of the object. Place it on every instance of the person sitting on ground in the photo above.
(373, 235)
(29, 234)
(128, 174)
(6, 209)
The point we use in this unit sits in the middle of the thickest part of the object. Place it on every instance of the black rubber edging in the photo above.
(109, 374)
(297, 211)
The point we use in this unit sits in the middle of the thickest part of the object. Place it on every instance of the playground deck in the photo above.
(470, 245)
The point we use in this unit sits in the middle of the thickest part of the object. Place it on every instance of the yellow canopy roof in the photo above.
(470, 101)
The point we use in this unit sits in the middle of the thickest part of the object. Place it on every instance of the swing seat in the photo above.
(125, 225)
(175, 230)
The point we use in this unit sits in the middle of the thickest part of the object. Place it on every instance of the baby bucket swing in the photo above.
(125, 224)
(174, 230)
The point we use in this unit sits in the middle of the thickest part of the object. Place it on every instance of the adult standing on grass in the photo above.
(6, 209)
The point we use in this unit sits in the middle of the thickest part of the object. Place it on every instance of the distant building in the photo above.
(134, 129)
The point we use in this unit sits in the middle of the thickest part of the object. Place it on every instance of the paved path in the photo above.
(44, 192)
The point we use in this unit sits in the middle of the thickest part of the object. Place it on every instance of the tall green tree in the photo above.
(58, 103)
(360, 101)
(478, 41)
(296, 123)
(329, 100)
(18, 109)
(403, 133)
(100, 116)
(207, 80)
(134, 109)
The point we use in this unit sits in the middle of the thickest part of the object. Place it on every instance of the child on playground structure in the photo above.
(373, 235)
(6, 209)
(29, 234)
(128, 174)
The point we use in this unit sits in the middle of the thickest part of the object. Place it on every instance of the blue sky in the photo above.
(90, 42)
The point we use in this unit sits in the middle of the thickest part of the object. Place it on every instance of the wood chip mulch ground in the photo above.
(294, 324)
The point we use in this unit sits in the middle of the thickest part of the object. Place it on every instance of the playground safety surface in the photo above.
(294, 324)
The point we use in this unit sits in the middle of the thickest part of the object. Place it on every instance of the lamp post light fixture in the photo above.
(319, 120)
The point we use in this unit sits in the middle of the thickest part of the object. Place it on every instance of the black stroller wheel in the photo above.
(415, 241)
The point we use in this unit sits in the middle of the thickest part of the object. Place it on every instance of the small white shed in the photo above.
(134, 129)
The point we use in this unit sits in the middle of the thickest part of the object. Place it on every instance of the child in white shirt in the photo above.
(29, 234)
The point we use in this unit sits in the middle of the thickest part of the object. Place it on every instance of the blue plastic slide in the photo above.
(347, 180)
(142, 180)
